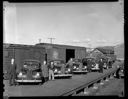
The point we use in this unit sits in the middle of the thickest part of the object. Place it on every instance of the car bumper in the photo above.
(79, 72)
(63, 75)
(95, 69)
(28, 80)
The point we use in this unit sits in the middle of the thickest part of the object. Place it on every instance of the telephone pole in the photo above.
(39, 40)
(51, 39)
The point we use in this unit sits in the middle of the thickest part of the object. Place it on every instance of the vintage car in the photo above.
(30, 72)
(60, 69)
(78, 67)
(95, 67)
(121, 72)
(93, 63)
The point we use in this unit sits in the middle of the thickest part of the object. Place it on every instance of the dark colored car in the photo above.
(92, 62)
(121, 73)
(60, 69)
(30, 72)
(78, 66)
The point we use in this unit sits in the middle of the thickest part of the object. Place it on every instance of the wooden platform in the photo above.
(56, 87)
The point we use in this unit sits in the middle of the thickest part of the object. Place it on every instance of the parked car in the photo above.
(78, 67)
(93, 62)
(60, 69)
(121, 73)
(30, 72)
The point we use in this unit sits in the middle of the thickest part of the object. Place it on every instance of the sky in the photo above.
(87, 24)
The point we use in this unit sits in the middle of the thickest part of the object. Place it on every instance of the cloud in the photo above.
(81, 41)
(101, 41)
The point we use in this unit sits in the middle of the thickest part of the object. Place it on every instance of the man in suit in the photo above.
(12, 73)
(51, 73)
(44, 68)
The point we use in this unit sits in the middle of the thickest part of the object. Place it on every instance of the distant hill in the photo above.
(119, 51)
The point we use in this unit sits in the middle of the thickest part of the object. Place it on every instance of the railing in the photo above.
(82, 88)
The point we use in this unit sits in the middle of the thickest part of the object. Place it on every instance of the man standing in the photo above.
(101, 65)
(12, 73)
(70, 63)
(51, 73)
(117, 72)
(89, 65)
(44, 68)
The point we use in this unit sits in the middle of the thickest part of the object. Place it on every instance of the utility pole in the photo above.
(39, 40)
(51, 39)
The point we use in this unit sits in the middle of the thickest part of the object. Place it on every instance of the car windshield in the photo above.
(31, 64)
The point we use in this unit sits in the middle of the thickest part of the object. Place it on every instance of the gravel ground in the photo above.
(115, 87)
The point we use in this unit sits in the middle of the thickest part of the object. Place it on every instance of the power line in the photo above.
(51, 39)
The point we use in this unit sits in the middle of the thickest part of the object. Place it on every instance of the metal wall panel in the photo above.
(80, 53)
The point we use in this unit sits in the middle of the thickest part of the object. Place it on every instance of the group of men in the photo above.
(47, 71)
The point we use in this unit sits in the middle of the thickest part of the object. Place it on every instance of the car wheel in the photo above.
(17, 84)
(40, 83)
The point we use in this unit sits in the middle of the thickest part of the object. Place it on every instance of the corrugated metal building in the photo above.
(63, 52)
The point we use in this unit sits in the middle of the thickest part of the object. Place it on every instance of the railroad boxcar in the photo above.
(20, 53)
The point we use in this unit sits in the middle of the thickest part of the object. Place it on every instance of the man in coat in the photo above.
(45, 71)
(89, 65)
(12, 73)
(70, 63)
(101, 65)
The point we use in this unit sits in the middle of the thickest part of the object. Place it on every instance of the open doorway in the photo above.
(70, 53)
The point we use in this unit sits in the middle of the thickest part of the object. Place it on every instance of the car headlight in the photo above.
(74, 67)
(37, 75)
(59, 71)
(85, 67)
(121, 70)
(69, 69)
(20, 74)
(55, 70)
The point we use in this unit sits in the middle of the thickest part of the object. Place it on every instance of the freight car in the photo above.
(20, 53)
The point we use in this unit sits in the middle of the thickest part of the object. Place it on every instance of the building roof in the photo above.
(58, 45)
(96, 54)
(106, 49)
(8, 45)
